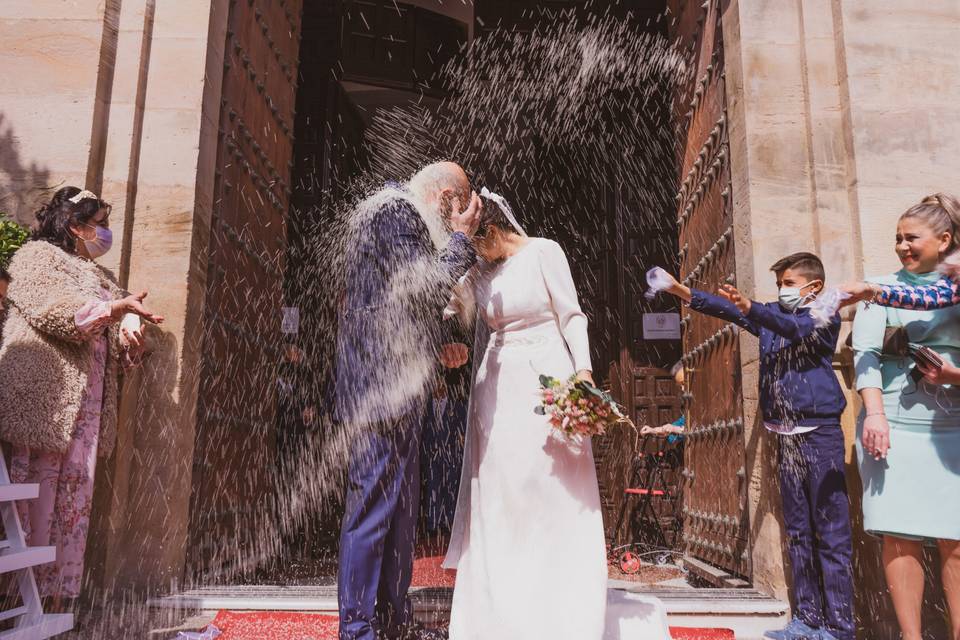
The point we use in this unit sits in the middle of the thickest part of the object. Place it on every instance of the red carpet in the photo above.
(687, 633)
(275, 625)
(427, 572)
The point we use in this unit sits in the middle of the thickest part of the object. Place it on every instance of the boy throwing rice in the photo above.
(801, 402)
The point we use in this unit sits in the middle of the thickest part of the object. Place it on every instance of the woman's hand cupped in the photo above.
(132, 340)
(134, 304)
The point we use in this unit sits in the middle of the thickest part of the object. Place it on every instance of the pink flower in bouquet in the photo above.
(575, 409)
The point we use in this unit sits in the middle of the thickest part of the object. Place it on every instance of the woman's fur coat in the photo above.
(44, 360)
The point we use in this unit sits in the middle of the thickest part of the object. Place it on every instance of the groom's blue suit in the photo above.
(389, 333)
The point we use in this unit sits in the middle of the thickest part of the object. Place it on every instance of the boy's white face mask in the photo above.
(792, 298)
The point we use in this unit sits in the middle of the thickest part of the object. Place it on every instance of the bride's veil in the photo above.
(505, 208)
(463, 304)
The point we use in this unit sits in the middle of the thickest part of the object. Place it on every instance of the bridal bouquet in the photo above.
(577, 408)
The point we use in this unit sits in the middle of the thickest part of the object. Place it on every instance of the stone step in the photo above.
(748, 612)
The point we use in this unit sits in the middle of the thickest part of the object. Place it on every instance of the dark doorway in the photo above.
(359, 57)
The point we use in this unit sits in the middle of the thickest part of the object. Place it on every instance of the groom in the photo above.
(412, 245)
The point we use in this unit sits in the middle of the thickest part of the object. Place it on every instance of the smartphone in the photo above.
(926, 357)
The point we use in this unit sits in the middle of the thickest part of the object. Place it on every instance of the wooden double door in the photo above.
(715, 530)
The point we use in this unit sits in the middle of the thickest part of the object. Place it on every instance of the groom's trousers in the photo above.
(378, 535)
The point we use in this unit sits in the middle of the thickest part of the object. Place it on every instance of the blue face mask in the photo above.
(792, 299)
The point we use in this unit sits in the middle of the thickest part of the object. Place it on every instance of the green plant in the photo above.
(12, 236)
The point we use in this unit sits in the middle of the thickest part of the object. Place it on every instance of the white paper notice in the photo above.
(661, 326)
(291, 320)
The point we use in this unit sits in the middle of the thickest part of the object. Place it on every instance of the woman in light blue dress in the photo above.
(909, 432)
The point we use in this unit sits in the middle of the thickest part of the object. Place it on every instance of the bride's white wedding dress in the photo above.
(528, 539)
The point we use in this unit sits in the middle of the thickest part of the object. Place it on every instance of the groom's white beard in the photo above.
(432, 216)
(404, 314)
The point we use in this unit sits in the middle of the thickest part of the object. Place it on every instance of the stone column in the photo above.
(159, 163)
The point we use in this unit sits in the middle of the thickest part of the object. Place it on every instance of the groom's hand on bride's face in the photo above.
(468, 220)
(454, 355)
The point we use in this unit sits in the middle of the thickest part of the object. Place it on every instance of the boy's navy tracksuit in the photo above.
(798, 388)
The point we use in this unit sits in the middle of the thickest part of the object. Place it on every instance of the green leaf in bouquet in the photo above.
(547, 382)
(589, 389)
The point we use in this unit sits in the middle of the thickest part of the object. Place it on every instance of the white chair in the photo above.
(15, 556)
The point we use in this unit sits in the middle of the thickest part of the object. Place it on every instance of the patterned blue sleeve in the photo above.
(939, 295)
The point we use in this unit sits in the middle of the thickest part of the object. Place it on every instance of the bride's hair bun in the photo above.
(493, 216)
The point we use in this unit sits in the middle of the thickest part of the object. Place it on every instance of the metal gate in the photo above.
(715, 491)
(231, 502)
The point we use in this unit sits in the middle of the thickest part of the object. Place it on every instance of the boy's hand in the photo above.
(660, 280)
(876, 435)
(733, 294)
(677, 289)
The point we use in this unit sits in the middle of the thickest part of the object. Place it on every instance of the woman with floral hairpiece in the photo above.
(70, 329)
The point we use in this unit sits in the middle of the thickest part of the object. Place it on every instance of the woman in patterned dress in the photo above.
(69, 329)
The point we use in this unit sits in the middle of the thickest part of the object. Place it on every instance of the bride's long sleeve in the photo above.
(563, 297)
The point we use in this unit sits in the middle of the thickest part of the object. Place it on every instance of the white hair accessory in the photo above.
(84, 195)
(507, 211)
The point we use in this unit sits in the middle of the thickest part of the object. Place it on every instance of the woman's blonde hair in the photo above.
(941, 213)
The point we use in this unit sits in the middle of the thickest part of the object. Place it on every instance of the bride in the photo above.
(527, 539)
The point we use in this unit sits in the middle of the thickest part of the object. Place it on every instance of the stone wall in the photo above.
(123, 98)
(48, 83)
(843, 113)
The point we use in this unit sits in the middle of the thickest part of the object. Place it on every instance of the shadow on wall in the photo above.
(21, 186)
(137, 509)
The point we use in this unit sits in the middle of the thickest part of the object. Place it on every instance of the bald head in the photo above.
(441, 180)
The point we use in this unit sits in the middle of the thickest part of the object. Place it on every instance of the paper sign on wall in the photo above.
(291, 320)
(661, 326)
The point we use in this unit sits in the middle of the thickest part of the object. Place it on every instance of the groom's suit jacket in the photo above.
(390, 324)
